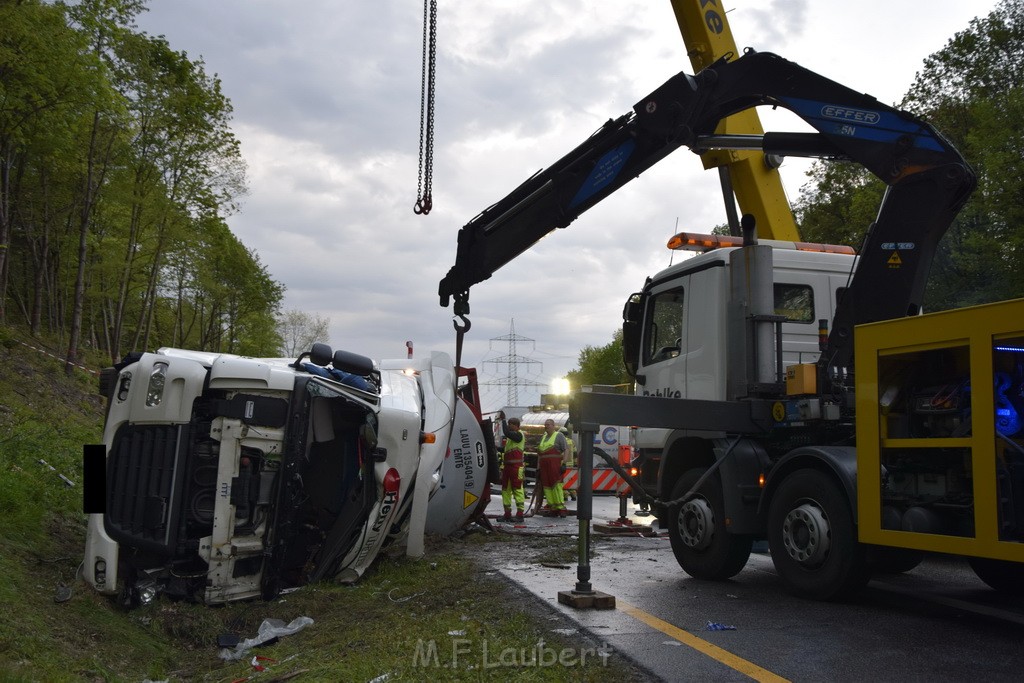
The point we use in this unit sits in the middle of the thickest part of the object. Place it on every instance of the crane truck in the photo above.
(225, 478)
(795, 392)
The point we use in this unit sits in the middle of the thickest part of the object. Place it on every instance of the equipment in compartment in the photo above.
(928, 491)
(941, 411)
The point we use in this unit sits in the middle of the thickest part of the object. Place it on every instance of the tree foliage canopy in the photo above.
(600, 365)
(118, 168)
(972, 90)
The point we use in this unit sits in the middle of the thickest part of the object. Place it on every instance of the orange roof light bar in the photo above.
(692, 241)
(695, 242)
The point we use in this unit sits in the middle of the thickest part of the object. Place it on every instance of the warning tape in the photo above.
(62, 360)
(604, 480)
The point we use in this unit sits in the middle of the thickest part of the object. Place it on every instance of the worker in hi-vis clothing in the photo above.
(549, 454)
(512, 469)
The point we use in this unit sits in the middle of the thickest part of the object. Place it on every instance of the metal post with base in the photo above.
(584, 596)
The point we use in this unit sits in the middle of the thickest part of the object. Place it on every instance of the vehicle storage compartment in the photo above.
(947, 393)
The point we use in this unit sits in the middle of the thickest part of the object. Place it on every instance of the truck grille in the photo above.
(144, 480)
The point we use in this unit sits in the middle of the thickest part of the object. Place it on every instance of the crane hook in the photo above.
(460, 333)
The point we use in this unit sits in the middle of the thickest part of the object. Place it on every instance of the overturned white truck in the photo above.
(228, 478)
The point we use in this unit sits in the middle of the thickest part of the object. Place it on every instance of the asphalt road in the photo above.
(937, 622)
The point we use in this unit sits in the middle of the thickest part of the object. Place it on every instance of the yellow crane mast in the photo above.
(751, 176)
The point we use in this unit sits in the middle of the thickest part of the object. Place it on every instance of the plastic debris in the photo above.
(258, 662)
(269, 630)
(715, 626)
(460, 632)
(67, 482)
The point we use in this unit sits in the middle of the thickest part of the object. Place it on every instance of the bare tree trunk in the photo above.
(93, 181)
(6, 164)
(149, 302)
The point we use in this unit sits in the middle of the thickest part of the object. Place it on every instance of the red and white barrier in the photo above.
(605, 480)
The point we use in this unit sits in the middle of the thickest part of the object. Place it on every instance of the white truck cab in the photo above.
(682, 328)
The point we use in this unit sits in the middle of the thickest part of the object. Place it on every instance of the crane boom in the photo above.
(928, 179)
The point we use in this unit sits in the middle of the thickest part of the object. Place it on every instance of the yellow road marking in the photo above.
(702, 646)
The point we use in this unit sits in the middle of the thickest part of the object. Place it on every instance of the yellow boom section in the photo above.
(758, 189)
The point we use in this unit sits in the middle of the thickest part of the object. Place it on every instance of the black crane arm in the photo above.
(929, 181)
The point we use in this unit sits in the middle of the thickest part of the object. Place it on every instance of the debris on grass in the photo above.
(269, 630)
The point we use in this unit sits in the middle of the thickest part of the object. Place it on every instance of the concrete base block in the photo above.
(590, 600)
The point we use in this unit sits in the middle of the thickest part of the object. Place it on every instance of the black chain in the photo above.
(424, 198)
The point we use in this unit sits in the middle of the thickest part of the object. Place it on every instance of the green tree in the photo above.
(47, 77)
(600, 365)
(185, 162)
(838, 207)
(973, 91)
(118, 167)
(105, 22)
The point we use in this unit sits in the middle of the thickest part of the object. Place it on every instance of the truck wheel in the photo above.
(696, 529)
(813, 539)
(1005, 577)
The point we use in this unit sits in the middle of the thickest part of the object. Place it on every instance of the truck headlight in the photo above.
(157, 380)
(123, 385)
(145, 592)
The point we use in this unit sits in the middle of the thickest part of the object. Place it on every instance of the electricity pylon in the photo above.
(512, 379)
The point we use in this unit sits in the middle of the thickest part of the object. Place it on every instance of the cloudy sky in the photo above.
(326, 102)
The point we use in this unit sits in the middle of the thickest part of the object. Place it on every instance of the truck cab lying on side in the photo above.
(230, 478)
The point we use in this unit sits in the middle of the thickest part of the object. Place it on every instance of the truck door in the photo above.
(682, 349)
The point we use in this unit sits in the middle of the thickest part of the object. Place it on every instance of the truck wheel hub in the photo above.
(696, 523)
(806, 534)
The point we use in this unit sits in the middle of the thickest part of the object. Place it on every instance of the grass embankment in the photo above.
(440, 618)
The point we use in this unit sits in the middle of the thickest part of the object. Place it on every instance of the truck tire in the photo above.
(813, 539)
(1005, 577)
(696, 529)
